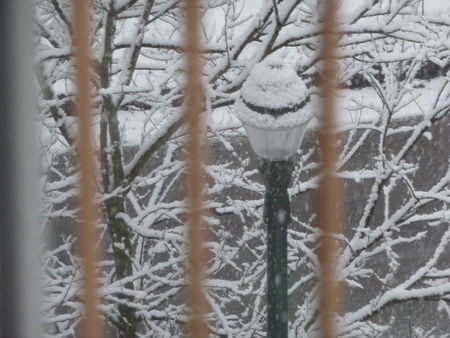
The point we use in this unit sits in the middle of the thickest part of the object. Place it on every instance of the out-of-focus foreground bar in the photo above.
(329, 192)
(19, 281)
(8, 222)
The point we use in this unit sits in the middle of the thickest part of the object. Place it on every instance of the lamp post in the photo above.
(273, 109)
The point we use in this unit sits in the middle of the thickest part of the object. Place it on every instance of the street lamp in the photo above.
(273, 108)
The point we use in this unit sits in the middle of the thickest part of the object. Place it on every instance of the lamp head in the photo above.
(273, 108)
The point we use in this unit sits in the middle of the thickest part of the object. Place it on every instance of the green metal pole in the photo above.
(277, 215)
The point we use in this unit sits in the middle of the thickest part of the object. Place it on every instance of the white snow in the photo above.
(274, 84)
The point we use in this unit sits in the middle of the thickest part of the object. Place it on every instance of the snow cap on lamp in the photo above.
(273, 108)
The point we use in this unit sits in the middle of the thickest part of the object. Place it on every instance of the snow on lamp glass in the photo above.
(273, 108)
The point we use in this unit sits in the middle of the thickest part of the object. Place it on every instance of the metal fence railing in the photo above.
(195, 182)
(328, 192)
(155, 222)
(328, 198)
(91, 326)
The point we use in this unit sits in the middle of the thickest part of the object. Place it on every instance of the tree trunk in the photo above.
(122, 249)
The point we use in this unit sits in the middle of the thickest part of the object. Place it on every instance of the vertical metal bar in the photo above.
(25, 171)
(328, 195)
(91, 326)
(195, 175)
(9, 316)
